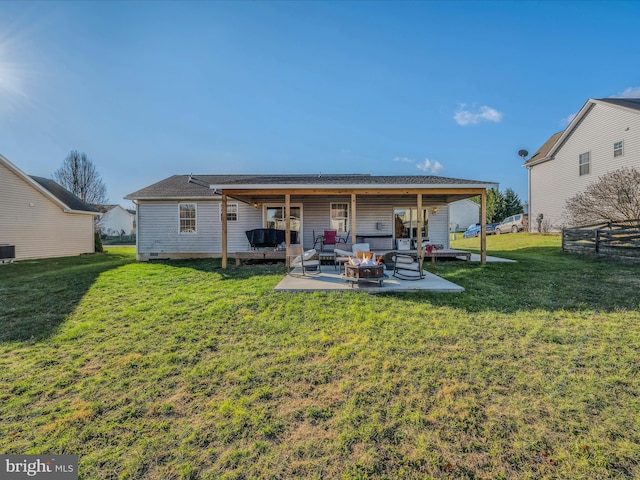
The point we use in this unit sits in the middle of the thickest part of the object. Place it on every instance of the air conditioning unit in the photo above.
(7, 253)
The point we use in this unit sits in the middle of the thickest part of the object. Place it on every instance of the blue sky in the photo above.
(152, 89)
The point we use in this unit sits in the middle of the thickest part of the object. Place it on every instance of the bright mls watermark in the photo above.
(49, 467)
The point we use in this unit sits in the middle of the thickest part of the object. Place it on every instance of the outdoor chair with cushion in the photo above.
(342, 256)
(298, 258)
(407, 267)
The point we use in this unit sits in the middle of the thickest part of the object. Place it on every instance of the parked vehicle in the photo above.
(473, 230)
(514, 224)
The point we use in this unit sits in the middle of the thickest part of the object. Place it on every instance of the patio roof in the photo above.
(254, 189)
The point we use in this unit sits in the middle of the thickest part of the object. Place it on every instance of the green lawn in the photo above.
(183, 370)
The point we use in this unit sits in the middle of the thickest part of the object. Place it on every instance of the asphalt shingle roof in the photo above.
(623, 102)
(64, 195)
(190, 186)
(544, 149)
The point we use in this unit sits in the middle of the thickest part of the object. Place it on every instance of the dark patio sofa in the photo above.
(268, 237)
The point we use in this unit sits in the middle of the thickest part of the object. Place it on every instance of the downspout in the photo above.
(135, 202)
(223, 217)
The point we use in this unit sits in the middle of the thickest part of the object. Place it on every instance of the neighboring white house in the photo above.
(180, 217)
(40, 218)
(463, 213)
(116, 220)
(604, 136)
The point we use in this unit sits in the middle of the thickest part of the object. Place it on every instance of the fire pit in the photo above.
(364, 273)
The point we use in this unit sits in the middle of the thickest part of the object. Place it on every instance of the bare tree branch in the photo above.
(79, 175)
(614, 197)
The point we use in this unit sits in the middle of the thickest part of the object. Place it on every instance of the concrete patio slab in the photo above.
(329, 280)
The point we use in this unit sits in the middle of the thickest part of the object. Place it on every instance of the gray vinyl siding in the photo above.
(36, 225)
(370, 210)
(158, 228)
(555, 181)
(158, 225)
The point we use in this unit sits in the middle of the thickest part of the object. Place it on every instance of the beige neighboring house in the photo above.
(40, 218)
(604, 136)
(116, 220)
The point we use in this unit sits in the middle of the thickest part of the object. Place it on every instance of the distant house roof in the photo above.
(107, 208)
(548, 150)
(544, 149)
(204, 186)
(103, 208)
(64, 195)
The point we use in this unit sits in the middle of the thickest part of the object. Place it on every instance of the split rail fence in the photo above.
(620, 239)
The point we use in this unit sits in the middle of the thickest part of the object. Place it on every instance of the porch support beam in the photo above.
(223, 218)
(353, 218)
(483, 227)
(420, 223)
(244, 193)
(287, 221)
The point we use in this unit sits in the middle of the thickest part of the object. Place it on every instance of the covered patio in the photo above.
(367, 197)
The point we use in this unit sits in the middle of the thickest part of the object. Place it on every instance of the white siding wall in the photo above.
(115, 220)
(37, 226)
(462, 214)
(555, 181)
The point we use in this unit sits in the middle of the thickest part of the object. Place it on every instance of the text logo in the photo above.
(46, 467)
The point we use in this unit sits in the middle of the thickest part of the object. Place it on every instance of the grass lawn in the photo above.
(182, 370)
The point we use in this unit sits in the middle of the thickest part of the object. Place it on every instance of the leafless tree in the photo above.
(79, 175)
(613, 197)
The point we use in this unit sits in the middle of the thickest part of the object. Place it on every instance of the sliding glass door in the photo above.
(406, 223)
(274, 218)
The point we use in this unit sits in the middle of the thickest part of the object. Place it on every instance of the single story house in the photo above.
(463, 213)
(40, 218)
(602, 137)
(187, 216)
(116, 220)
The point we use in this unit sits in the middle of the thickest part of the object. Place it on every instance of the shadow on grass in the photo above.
(233, 272)
(38, 295)
(543, 278)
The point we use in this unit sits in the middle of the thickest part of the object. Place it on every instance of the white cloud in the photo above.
(630, 92)
(403, 160)
(568, 119)
(465, 116)
(430, 166)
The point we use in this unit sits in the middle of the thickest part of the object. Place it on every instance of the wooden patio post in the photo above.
(353, 218)
(287, 225)
(223, 217)
(420, 223)
(483, 227)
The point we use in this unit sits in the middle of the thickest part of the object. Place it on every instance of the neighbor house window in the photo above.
(340, 216)
(232, 212)
(187, 217)
(617, 149)
(584, 161)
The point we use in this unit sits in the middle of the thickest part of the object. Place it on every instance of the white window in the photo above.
(232, 212)
(187, 217)
(584, 162)
(339, 217)
(617, 149)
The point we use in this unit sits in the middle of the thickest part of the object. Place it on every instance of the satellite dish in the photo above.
(523, 153)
